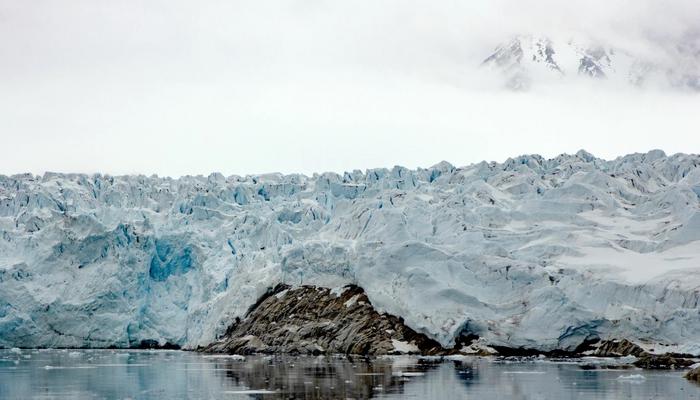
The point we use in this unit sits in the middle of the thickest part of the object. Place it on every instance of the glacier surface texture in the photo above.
(532, 252)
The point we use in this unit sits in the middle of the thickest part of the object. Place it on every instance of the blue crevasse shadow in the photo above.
(170, 259)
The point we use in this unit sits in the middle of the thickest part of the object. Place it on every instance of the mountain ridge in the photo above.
(526, 59)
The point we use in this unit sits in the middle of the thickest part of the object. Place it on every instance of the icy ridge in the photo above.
(526, 60)
(533, 252)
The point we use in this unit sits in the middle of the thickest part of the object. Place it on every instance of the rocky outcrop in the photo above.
(618, 348)
(645, 360)
(650, 361)
(693, 375)
(315, 320)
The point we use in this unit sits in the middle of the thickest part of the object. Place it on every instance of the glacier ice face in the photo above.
(534, 252)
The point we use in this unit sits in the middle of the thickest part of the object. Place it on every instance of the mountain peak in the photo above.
(526, 59)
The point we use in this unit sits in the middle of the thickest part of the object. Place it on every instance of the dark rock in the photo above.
(693, 375)
(530, 352)
(313, 320)
(153, 344)
(517, 351)
(618, 348)
(651, 361)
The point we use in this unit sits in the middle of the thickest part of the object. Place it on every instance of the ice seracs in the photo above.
(532, 252)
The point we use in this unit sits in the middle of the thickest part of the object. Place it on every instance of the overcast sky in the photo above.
(183, 87)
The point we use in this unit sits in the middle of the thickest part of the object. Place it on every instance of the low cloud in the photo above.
(303, 86)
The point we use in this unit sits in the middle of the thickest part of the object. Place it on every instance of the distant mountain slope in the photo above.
(534, 252)
(528, 59)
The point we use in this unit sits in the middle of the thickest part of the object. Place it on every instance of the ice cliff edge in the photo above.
(532, 252)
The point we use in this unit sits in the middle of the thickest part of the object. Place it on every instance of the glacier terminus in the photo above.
(531, 253)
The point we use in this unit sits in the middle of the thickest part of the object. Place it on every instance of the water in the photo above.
(108, 374)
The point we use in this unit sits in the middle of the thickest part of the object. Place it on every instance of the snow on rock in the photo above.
(526, 60)
(402, 347)
(532, 252)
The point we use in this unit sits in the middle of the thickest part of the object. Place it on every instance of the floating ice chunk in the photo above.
(235, 357)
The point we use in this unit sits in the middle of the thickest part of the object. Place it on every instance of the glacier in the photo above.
(532, 252)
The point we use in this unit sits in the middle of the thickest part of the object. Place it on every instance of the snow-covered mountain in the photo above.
(533, 252)
(527, 59)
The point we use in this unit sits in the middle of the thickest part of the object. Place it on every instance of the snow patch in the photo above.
(404, 347)
(351, 302)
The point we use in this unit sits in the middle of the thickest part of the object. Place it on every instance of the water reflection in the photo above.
(99, 374)
(325, 377)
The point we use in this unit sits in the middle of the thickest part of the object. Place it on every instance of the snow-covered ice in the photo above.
(530, 252)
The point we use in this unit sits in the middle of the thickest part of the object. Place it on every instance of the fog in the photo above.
(177, 87)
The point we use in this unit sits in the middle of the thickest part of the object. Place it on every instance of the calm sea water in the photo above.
(107, 374)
